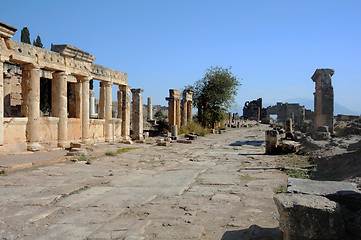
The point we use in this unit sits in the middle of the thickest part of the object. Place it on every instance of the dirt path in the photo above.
(215, 188)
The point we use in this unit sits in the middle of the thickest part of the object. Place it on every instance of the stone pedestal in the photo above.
(137, 114)
(125, 111)
(150, 110)
(31, 104)
(173, 108)
(108, 111)
(92, 104)
(324, 99)
(59, 105)
(271, 141)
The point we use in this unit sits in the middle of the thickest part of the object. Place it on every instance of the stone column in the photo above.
(271, 142)
(108, 111)
(125, 111)
(323, 99)
(289, 129)
(85, 108)
(31, 104)
(189, 111)
(91, 104)
(120, 103)
(101, 100)
(178, 112)
(7, 94)
(2, 60)
(59, 105)
(137, 114)
(172, 107)
(150, 109)
(184, 112)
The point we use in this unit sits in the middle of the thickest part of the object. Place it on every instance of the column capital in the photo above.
(84, 78)
(61, 73)
(137, 90)
(30, 66)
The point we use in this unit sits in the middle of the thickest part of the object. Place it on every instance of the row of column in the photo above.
(31, 105)
(179, 112)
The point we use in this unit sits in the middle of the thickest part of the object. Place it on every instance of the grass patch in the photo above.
(193, 127)
(297, 173)
(280, 189)
(75, 191)
(83, 158)
(111, 153)
(124, 150)
(2, 172)
(98, 176)
(246, 177)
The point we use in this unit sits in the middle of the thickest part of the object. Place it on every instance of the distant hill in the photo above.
(308, 103)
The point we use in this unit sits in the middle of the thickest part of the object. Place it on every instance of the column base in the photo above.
(140, 137)
(63, 144)
(86, 141)
(34, 147)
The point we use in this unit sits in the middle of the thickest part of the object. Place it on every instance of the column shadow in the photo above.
(254, 232)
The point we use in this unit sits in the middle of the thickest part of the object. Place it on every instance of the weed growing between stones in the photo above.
(110, 153)
(83, 158)
(194, 128)
(246, 177)
(2, 172)
(280, 189)
(124, 150)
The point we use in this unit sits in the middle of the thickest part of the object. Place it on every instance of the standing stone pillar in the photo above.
(85, 108)
(6, 93)
(271, 141)
(178, 111)
(59, 105)
(120, 104)
(189, 111)
(101, 100)
(108, 111)
(229, 119)
(184, 112)
(289, 129)
(31, 104)
(172, 108)
(150, 109)
(92, 103)
(137, 114)
(323, 99)
(125, 111)
(2, 60)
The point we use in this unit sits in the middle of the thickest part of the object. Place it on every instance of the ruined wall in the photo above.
(96, 129)
(48, 129)
(74, 129)
(15, 130)
(288, 110)
(252, 110)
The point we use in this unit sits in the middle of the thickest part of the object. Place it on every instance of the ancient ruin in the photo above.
(68, 68)
(252, 110)
(324, 113)
(187, 107)
(289, 110)
(137, 114)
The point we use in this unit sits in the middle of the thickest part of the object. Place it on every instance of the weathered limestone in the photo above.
(137, 114)
(92, 104)
(173, 108)
(252, 110)
(101, 112)
(187, 107)
(85, 108)
(108, 111)
(290, 135)
(178, 112)
(125, 111)
(324, 99)
(150, 110)
(2, 60)
(309, 217)
(289, 110)
(59, 106)
(31, 104)
(271, 141)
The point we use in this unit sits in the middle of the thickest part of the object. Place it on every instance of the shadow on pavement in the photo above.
(254, 232)
(252, 143)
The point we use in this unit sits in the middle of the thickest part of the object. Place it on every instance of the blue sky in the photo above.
(273, 46)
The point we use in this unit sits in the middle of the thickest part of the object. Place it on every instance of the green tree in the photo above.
(214, 94)
(37, 42)
(25, 35)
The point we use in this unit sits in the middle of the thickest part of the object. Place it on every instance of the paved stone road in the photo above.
(214, 188)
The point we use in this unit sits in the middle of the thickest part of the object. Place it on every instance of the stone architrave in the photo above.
(85, 108)
(31, 104)
(125, 111)
(150, 109)
(92, 103)
(108, 111)
(2, 60)
(59, 105)
(324, 99)
(137, 114)
(173, 108)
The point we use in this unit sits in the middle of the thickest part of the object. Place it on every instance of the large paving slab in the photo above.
(216, 186)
